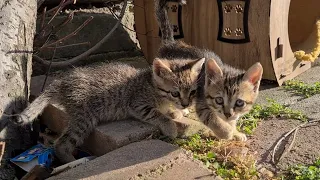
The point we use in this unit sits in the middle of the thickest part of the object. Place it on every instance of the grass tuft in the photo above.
(302, 172)
(301, 88)
(272, 110)
(229, 159)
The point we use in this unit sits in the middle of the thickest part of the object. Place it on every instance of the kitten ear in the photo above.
(213, 70)
(196, 68)
(254, 75)
(160, 67)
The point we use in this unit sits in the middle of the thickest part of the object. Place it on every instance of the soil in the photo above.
(305, 149)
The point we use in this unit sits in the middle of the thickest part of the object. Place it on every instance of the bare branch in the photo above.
(69, 35)
(88, 52)
(286, 135)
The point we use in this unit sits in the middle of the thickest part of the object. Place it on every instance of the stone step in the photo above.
(150, 159)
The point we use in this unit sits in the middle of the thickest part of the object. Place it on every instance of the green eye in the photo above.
(219, 100)
(239, 103)
(175, 94)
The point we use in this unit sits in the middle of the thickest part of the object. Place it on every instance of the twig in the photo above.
(39, 3)
(60, 6)
(286, 135)
(48, 71)
(43, 17)
(69, 18)
(19, 51)
(88, 52)
(290, 146)
(132, 30)
(69, 35)
(2, 148)
(65, 4)
(69, 45)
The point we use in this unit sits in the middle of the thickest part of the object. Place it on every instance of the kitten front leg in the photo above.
(220, 128)
(80, 125)
(153, 116)
(236, 134)
(175, 113)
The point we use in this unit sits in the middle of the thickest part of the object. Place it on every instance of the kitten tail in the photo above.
(33, 110)
(163, 20)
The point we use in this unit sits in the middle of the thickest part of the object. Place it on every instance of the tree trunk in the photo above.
(17, 27)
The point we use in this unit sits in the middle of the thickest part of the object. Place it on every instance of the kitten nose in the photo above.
(185, 104)
(227, 115)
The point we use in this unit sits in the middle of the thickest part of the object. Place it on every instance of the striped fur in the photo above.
(223, 81)
(231, 85)
(114, 92)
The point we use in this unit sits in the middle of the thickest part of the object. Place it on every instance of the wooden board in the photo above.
(266, 41)
(286, 67)
(302, 18)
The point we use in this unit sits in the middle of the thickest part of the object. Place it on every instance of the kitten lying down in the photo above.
(117, 91)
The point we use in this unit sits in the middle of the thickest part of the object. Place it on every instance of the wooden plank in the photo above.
(268, 33)
(140, 25)
(302, 17)
(285, 67)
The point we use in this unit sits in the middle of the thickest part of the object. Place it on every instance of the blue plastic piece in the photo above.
(45, 155)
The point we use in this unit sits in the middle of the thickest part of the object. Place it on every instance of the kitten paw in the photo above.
(240, 136)
(176, 114)
(169, 129)
(185, 112)
(20, 119)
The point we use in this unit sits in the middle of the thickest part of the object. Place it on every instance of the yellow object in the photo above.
(301, 55)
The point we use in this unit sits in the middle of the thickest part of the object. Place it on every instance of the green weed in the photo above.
(216, 156)
(272, 110)
(302, 172)
(301, 88)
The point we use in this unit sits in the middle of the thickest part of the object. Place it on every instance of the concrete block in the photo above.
(150, 159)
(122, 43)
(54, 118)
(111, 136)
(36, 85)
(105, 137)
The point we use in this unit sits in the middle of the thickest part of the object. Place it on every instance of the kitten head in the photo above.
(231, 92)
(176, 80)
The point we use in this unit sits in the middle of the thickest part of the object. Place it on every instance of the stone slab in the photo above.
(309, 106)
(111, 136)
(151, 159)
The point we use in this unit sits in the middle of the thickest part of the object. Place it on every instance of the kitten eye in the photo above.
(239, 103)
(219, 100)
(175, 94)
(193, 92)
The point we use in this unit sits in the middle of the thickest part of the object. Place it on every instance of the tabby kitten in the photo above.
(116, 91)
(224, 93)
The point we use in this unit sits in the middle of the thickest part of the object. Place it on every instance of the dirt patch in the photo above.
(304, 151)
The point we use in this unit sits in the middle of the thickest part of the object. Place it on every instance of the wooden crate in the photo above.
(241, 32)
